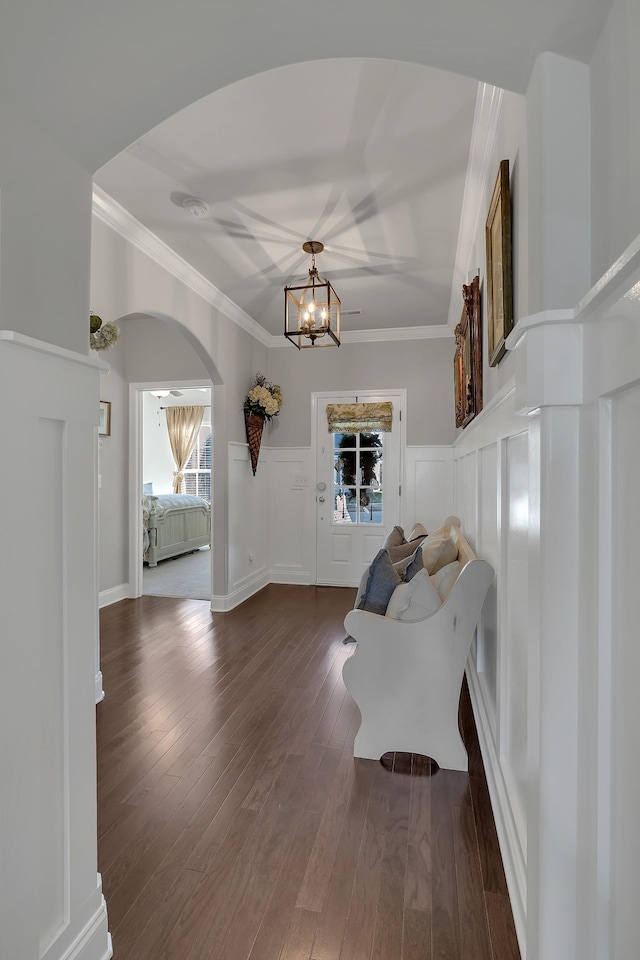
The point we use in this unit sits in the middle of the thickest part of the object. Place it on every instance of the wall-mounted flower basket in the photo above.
(254, 425)
(263, 402)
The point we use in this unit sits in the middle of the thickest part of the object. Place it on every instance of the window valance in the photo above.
(359, 417)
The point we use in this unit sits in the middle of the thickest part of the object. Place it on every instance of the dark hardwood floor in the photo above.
(234, 822)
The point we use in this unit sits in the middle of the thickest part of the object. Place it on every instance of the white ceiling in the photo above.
(377, 174)
(98, 74)
(368, 156)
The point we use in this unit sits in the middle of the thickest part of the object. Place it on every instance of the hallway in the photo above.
(234, 821)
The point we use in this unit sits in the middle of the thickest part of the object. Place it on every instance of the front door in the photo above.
(357, 490)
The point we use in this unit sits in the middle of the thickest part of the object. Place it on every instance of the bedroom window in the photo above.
(197, 473)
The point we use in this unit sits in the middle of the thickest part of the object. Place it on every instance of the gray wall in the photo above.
(615, 136)
(156, 351)
(423, 367)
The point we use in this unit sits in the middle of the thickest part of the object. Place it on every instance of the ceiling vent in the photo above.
(357, 312)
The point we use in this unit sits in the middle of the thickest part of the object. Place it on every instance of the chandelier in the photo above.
(312, 307)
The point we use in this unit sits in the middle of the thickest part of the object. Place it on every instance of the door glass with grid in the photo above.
(358, 483)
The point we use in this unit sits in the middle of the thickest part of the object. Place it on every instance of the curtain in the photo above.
(183, 424)
(359, 417)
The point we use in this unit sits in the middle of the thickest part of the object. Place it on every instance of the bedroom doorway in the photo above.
(172, 540)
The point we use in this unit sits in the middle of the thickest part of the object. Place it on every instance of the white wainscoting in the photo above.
(621, 669)
(292, 516)
(491, 468)
(547, 480)
(51, 904)
(428, 486)
(247, 529)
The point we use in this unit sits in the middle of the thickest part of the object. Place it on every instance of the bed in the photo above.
(173, 524)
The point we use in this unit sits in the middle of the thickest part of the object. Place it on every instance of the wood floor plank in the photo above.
(234, 822)
(357, 941)
(162, 937)
(272, 933)
(445, 929)
(472, 911)
(416, 934)
(300, 936)
(492, 870)
(504, 942)
(314, 888)
(332, 924)
(387, 936)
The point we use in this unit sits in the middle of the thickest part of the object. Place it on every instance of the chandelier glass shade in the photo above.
(312, 307)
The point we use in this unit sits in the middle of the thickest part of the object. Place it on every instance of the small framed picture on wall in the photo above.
(104, 423)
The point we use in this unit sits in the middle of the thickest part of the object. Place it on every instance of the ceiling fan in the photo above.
(161, 394)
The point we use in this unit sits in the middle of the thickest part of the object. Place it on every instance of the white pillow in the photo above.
(414, 600)
(437, 552)
(445, 578)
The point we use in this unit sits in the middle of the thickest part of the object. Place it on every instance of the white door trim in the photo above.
(135, 469)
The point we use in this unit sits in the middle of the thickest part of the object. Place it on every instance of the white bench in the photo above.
(406, 677)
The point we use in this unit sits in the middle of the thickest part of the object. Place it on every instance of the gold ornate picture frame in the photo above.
(499, 274)
(467, 361)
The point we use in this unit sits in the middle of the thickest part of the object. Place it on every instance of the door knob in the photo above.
(321, 499)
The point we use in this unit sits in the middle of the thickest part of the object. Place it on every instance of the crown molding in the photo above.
(485, 124)
(106, 209)
(383, 336)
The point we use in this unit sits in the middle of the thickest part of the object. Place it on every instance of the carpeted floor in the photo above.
(186, 576)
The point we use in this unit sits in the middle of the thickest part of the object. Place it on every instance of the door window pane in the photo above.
(357, 490)
(370, 505)
(344, 499)
(342, 440)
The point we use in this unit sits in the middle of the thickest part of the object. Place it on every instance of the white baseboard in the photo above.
(513, 859)
(292, 575)
(223, 603)
(113, 595)
(94, 942)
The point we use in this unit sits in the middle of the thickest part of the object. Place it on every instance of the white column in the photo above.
(51, 904)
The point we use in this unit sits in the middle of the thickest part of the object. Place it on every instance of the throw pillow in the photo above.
(147, 489)
(401, 551)
(401, 565)
(361, 588)
(414, 600)
(438, 552)
(409, 563)
(415, 564)
(382, 581)
(417, 531)
(394, 539)
(445, 578)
